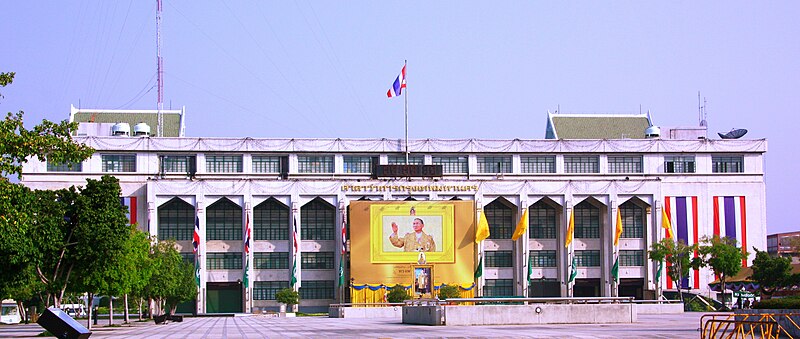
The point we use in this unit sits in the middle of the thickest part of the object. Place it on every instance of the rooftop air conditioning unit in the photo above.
(141, 130)
(121, 129)
(652, 132)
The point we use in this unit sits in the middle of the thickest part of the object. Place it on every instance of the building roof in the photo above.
(173, 119)
(596, 126)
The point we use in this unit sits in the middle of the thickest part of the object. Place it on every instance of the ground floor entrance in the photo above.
(225, 297)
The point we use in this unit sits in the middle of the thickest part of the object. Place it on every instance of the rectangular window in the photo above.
(494, 164)
(542, 222)
(266, 164)
(316, 260)
(499, 259)
(498, 288)
(224, 163)
(224, 261)
(543, 259)
(500, 218)
(452, 164)
(538, 164)
(315, 163)
(357, 164)
(188, 257)
(401, 159)
(271, 260)
(590, 258)
(265, 290)
(64, 167)
(316, 289)
(178, 163)
(727, 164)
(679, 164)
(631, 258)
(632, 221)
(119, 162)
(625, 164)
(581, 164)
(587, 223)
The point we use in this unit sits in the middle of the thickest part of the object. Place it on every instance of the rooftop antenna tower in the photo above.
(701, 110)
(160, 128)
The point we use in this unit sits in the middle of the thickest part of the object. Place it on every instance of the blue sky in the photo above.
(475, 69)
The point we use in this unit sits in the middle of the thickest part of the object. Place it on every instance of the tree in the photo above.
(448, 292)
(771, 273)
(172, 280)
(287, 296)
(397, 294)
(723, 257)
(679, 259)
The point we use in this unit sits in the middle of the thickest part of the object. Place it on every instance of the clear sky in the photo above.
(489, 69)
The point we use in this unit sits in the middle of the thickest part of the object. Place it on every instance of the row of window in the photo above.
(310, 289)
(450, 164)
(268, 260)
(547, 258)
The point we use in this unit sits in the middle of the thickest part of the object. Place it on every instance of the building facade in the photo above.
(224, 186)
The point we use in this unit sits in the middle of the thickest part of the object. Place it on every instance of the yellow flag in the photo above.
(483, 229)
(665, 223)
(618, 232)
(570, 228)
(522, 226)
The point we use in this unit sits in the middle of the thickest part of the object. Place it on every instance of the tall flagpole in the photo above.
(405, 96)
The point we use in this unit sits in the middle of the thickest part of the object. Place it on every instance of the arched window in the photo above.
(224, 220)
(587, 221)
(317, 220)
(499, 216)
(542, 221)
(175, 220)
(632, 220)
(271, 221)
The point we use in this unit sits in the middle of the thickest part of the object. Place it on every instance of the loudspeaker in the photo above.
(61, 325)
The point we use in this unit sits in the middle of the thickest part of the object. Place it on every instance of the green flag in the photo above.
(196, 272)
(615, 270)
(530, 270)
(341, 272)
(658, 273)
(294, 274)
(574, 269)
(247, 272)
(479, 270)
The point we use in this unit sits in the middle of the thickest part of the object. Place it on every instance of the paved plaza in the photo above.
(649, 326)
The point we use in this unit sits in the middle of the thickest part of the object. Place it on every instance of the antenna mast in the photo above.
(701, 110)
(160, 129)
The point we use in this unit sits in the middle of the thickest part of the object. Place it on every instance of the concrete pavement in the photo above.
(684, 325)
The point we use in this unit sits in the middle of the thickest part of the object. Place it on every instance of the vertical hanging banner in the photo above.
(730, 220)
(682, 212)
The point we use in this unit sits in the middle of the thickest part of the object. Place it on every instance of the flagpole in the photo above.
(405, 97)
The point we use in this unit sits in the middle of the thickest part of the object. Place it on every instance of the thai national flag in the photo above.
(683, 215)
(130, 202)
(730, 220)
(247, 236)
(398, 85)
(196, 235)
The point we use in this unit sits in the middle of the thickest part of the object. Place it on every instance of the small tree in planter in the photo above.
(448, 292)
(397, 294)
(288, 297)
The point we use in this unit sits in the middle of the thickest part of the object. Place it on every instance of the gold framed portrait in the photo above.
(399, 232)
(422, 286)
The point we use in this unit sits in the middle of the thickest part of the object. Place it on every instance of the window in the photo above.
(265, 290)
(543, 259)
(64, 167)
(176, 220)
(178, 164)
(188, 257)
(119, 163)
(401, 159)
(727, 164)
(224, 220)
(679, 164)
(542, 221)
(452, 164)
(500, 220)
(316, 289)
(498, 288)
(499, 259)
(316, 260)
(266, 164)
(224, 261)
(271, 260)
(581, 164)
(589, 258)
(318, 220)
(357, 164)
(494, 164)
(538, 164)
(631, 258)
(271, 221)
(224, 163)
(315, 163)
(587, 221)
(632, 220)
(625, 164)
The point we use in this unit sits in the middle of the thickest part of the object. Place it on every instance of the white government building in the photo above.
(591, 164)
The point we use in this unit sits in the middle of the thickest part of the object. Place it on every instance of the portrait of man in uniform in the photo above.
(416, 241)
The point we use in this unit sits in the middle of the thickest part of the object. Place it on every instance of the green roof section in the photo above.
(172, 121)
(598, 126)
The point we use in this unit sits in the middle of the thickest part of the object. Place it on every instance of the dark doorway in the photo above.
(224, 297)
(586, 288)
(544, 288)
(631, 287)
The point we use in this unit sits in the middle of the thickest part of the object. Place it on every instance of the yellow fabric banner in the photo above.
(522, 226)
(570, 228)
(483, 228)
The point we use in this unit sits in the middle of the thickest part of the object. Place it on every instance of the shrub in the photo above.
(397, 294)
(792, 302)
(287, 296)
(449, 291)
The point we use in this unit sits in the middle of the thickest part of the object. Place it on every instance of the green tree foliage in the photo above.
(287, 296)
(679, 258)
(771, 273)
(723, 257)
(448, 292)
(5, 79)
(172, 280)
(397, 294)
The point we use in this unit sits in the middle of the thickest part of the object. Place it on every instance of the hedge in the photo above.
(792, 302)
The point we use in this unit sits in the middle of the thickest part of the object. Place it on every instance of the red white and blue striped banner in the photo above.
(683, 215)
(130, 202)
(730, 220)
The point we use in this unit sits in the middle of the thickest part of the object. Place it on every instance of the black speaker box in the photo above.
(61, 325)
